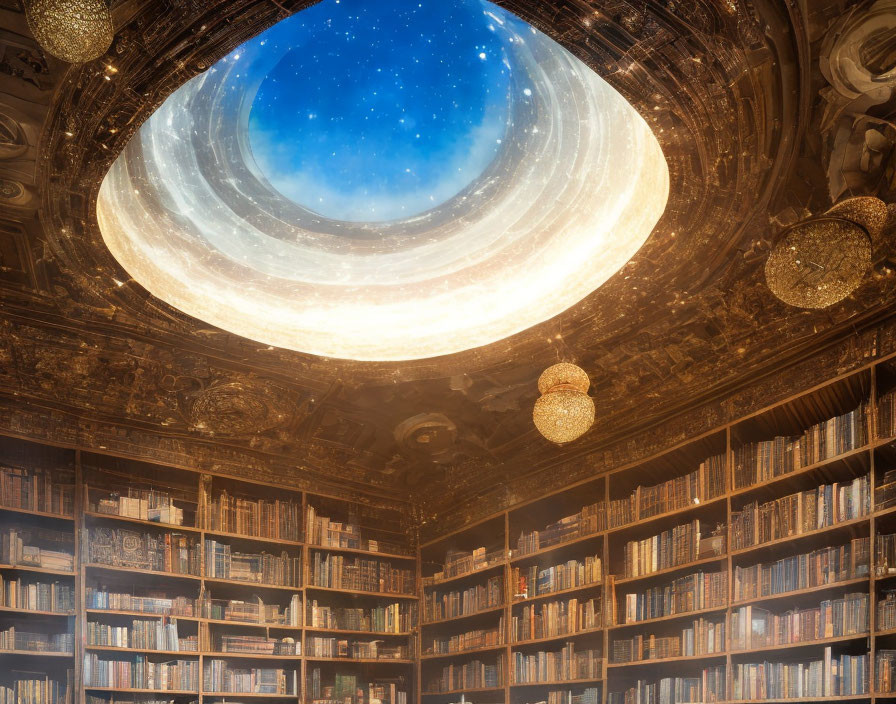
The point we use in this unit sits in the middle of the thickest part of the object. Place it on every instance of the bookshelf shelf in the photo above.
(251, 538)
(135, 690)
(465, 690)
(139, 614)
(685, 512)
(688, 566)
(256, 624)
(558, 593)
(555, 683)
(844, 526)
(37, 514)
(139, 651)
(367, 661)
(362, 551)
(35, 612)
(37, 570)
(565, 636)
(252, 585)
(464, 617)
(664, 661)
(462, 653)
(803, 644)
(825, 464)
(225, 655)
(797, 593)
(344, 631)
(389, 595)
(670, 617)
(93, 516)
(134, 570)
(36, 654)
(434, 584)
(517, 559)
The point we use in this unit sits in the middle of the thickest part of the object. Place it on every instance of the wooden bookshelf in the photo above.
(95, 476)
(99, 480)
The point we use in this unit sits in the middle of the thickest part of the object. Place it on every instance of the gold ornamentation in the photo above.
(867, 212)
(565, 411)
(818, 262)
(72, 30)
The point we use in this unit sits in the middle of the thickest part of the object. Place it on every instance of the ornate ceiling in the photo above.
(766, 111)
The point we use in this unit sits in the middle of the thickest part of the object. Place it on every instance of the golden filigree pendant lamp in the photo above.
(72, 30)
(818, 262)
(565, 411)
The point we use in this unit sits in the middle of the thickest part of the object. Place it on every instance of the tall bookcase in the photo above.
(591, 594)
(229, 597)
(648, 643)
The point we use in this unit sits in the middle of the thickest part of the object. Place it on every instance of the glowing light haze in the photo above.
(385, 180)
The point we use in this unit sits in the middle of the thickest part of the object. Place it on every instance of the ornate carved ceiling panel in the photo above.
(761, 124)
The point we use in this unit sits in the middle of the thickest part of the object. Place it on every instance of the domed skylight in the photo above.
(385, 180)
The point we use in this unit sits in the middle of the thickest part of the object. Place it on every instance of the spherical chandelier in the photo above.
(72, 30)
(818, 262)
(565, 411)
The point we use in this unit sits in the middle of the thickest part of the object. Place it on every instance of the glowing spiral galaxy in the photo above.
(268, 195)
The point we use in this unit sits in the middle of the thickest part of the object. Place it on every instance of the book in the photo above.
(831, 676)
(14, 638)
(588, 521)
(709, 686)
(255, 610)
(459, 562)
(469, 640)
(555, 666)
(140, 672)
(275, 519)
(555, 618)
(328, 533)
(149, 634)
(223, 562)
(702, 636)
(474, 674)
(37, 547)
(439, 605)
(534, 581)
(155, 602)
(398, 617)
(37, 489)
(223, 676)
(21, 687)
(693, 592)
(360, 574)
(671, 548)
(173, 552)
(35, 594)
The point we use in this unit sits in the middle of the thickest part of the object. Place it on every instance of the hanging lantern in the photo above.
(565, 411)
(72, 30)
(820, 261)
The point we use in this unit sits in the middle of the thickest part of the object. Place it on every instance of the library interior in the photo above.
(456, 352)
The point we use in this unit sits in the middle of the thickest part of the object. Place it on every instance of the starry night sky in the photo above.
(380, 110)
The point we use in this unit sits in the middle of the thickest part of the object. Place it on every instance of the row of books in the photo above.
(257, 645)
(475, 674)
(693, 592)
(760, 461)
(140, 673)
(35, 595)
(832, 676)
(588, 695)
(142, 504)
(350, 689)
(588, 521)
(36, 489)
(358, 574)
(463, 602)
(703, 484)
(323, 531)
(755, 627)
(703, 636)
(673, 547)
(159, 552)
(101, 598)
(255, 611)
(555, 618)
(37, 547)
(19, 687)
(556, 666)
(13, 638)
(274, 519)
(152, 634)
(885, 491)
(708, 687)
(813, 569)
(385, 618)
(223, 562)
(800, 513)
(534, 581)
(324, 647)
(460, 562)
(886, 418)
(470, 640)
(223, 676)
